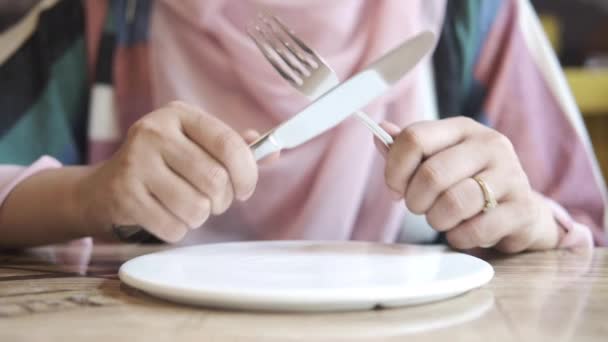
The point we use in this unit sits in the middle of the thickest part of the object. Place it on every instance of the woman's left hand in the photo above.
(432, 166)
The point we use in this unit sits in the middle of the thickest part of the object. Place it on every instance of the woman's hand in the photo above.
(431, 166)
(177, 166)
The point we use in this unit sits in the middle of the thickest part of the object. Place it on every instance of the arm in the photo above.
(39, 204)
(532, 152)
(528, 101)
(177, 166)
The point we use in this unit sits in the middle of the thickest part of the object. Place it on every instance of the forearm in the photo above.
(45, 208)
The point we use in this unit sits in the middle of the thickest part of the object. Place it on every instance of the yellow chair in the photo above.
(590, 88)
(552, 27)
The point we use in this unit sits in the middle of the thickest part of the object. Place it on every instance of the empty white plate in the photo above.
(305, 275)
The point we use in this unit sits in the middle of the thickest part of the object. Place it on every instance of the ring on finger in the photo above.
(488, 195)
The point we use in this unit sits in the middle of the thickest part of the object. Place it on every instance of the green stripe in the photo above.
(467, 31)
(47, 127)
(109, 26)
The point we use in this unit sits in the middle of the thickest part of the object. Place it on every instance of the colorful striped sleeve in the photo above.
(43, 99)
(526, 97)
(43, 77)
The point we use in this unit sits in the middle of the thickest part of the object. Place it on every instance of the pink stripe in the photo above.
(96, 11)
(520, 104)
(132, 84)
(23, 173)
(100, 151)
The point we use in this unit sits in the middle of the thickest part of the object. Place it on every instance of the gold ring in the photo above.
(488, 195)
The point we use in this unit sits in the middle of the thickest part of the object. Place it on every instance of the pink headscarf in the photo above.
(331, 188)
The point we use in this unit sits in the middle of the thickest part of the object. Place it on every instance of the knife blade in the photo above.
(330, 109)
(340, 102)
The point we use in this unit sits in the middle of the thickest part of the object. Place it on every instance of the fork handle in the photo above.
(378, 131)
(262, 147)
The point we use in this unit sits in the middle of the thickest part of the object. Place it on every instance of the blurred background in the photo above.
(578, 30)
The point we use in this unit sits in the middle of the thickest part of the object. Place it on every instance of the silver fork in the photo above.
(301, 66)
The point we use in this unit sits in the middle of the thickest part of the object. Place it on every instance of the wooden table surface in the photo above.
(70, 293)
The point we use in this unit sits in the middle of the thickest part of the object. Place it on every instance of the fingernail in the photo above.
(390, 127)
(488, 244)
(246, 196)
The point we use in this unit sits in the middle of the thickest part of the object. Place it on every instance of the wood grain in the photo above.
(46, 296)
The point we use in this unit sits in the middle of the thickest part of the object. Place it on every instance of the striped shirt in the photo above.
(74, 75)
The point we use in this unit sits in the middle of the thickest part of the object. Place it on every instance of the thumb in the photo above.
(390, 128)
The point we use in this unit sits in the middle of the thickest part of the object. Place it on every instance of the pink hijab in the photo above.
(331, 188)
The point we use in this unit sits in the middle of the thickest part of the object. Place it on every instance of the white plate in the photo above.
(473, 309)
(305, 275)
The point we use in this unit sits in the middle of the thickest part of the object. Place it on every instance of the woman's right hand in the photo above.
(177, 166)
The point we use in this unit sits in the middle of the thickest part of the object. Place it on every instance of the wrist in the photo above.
(78, 201)
(65, 187)
(44, 208)
(87, 204)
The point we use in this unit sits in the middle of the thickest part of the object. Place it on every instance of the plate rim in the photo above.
(248, 298)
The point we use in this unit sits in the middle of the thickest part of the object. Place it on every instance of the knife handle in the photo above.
(262, 147)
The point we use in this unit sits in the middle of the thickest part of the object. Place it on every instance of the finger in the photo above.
(392, 129)
(422, 140)
(250, 137)
(143, 209)
(465, 199)
(517, 242)
(382, 149)
(539, 236)
(201, 171)
(488, 228)
(178, 196)
(224, 144)
(443, 170)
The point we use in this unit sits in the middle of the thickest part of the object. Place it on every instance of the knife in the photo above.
(330, 109)
(341, 101)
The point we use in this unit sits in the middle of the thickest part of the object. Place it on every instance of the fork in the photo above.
(300, 65)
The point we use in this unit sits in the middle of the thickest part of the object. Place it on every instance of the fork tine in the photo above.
(282, 34)
(273, 39)
(299, 43)
(262, 45)
(302, 62)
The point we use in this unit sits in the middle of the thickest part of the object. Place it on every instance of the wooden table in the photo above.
(69, 293)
